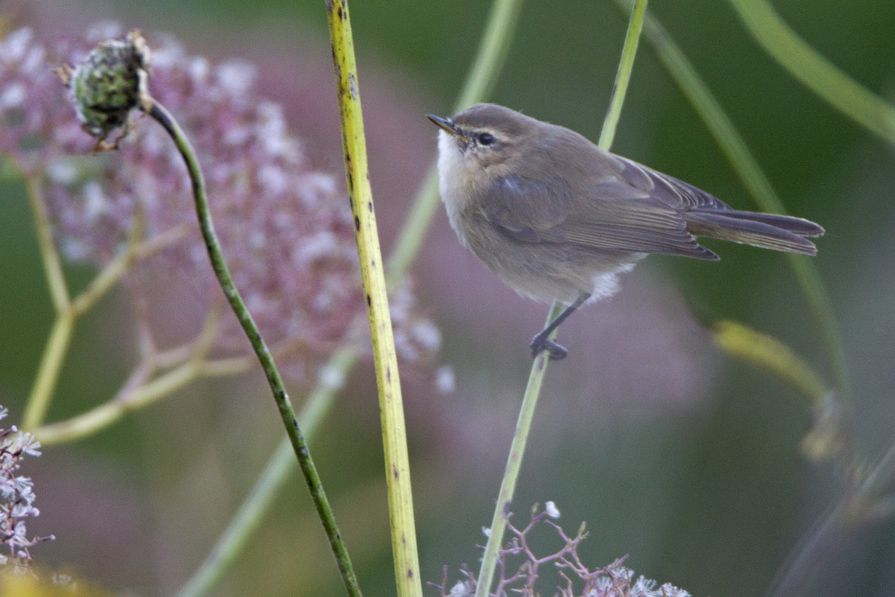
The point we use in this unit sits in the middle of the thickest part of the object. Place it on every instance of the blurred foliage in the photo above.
(711, 496)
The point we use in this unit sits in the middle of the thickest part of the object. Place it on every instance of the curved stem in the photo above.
(250, 514)
(758, 185)
(104, 415)
(770, 354)
(539, 366)
(287, 414)
(814, 71)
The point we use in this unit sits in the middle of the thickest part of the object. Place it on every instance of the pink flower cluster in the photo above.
(284, 226)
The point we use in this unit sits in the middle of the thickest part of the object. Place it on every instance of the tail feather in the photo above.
(767, 231)
(799, 226)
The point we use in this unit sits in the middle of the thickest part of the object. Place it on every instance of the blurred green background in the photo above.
(674, 454)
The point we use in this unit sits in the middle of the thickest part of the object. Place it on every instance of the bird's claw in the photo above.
(540, 343)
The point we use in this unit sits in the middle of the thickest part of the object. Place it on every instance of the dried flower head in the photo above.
(283, 225)
(519, 568)
(108, 84)
(16, 495)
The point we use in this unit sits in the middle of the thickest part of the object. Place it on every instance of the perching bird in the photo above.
(557, 218)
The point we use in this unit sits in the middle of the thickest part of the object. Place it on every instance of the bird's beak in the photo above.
(445, 124)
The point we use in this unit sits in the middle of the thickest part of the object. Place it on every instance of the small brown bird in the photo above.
(557, 218)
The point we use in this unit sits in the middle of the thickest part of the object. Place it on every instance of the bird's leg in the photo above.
(542, 340)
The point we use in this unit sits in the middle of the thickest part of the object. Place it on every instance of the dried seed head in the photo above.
(109, 83)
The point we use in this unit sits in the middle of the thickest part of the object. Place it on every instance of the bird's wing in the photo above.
(617, 216)
(674, 193)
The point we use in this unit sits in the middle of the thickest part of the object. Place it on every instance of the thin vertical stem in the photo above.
(479, 83)
(49, 369)
(539, 366)
(48, 253)
(60, 335)
(499, 30)
(284, 405)
(514, 465)
(622, 76)
(385, 361)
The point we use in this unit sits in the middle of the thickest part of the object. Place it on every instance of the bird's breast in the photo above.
(455, 183)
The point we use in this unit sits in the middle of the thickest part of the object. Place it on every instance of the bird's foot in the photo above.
(541, 342)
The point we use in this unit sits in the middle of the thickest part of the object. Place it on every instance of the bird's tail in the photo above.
(767, 231)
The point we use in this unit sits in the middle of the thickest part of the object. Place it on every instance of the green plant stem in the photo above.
(49, 369)
(504, 504)
(622, 76)
(479, 83)
(480, 80)
(758, 185)
(250, 514)
(112, 273)
(539, 366)
(104, 415)
(60, 334)
(67, 309)
(284, 405)
(385, 360)
(48, 253)
(814, 71)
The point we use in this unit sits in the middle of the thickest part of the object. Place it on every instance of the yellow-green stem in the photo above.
(622, 76)
(100, 417)
(49, 369)
(481, 78)
(60, 335)
(111, 273)
(773, 356)
(394, 435)
(68, 310)
(48, 253)
(539, 366)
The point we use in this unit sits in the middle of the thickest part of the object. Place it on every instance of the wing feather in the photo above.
(617, 217)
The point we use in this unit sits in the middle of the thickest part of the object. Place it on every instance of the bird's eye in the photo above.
(485, 138)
